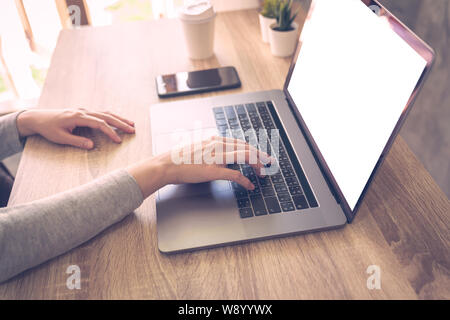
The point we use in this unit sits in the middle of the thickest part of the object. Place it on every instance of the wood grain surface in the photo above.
(402, 226)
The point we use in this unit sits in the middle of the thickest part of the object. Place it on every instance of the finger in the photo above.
(232, 144)
(263, 156)
(253, 156)
(233, 175)
(76, 141)
(244, 157)
(131, 123)
(111, 120)
(94, 123)
(230, 140)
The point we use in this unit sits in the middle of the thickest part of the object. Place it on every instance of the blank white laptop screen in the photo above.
(352, 80)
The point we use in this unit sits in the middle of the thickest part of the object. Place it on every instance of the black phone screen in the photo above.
(197, 81)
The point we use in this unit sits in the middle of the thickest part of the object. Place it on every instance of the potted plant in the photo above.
(283, 35)
(267, 16)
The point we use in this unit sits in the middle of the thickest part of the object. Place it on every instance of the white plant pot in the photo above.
(265, 26)
(282, 43)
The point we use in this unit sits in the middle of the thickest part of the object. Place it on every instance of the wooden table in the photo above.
(402, 226)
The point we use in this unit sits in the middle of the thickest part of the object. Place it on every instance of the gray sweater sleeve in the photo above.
(10, 142)
(37, 231)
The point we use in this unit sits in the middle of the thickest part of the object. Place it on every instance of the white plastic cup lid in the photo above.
(197, 11)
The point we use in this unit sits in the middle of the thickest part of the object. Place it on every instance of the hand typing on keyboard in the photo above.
(208, 160)
(285, 188)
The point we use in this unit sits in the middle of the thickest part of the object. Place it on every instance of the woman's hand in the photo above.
(205, 162)
(57, 125)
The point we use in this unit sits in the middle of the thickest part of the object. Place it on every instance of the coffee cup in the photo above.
(197, 19)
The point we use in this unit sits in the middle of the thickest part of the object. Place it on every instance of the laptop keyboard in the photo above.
(286, 189)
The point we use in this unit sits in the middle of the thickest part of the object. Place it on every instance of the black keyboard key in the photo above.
(240, 194)
(257, 125)
(287, 206)
(288, 174)
(300, 202)
(245, 123)
(221, 122)
(248, 171)
(258, 206)
(228, 109)
(219, 116)
(284, 197)
(268, 191)
(218, 110)
(285, 165)
(283, 157)
(230, 112)
(263, 110)
(277, 178)
(312, 202)
(264, 115)
(245, 213)
(295, 190)
(254, 192)
(272, 205)
(292, 182)
(250, 107)
(280, 187)
(264, 181)
(268, 124)
(243, 203)
(240, 110)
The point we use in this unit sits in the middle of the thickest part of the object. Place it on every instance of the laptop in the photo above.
(351, 84)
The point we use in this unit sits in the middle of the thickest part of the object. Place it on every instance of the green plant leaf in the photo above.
(284, 16)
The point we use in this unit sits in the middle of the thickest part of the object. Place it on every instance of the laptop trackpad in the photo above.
(197, 189)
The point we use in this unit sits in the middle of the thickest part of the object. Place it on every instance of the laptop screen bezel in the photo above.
(419, 46)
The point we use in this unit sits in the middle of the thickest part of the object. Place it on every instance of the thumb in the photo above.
(76, 141)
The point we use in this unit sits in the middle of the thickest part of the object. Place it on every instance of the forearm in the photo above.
(33, 233)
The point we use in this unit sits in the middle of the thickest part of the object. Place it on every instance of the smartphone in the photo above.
(183, 83)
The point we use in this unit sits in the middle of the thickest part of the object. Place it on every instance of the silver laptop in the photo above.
(351, 83)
